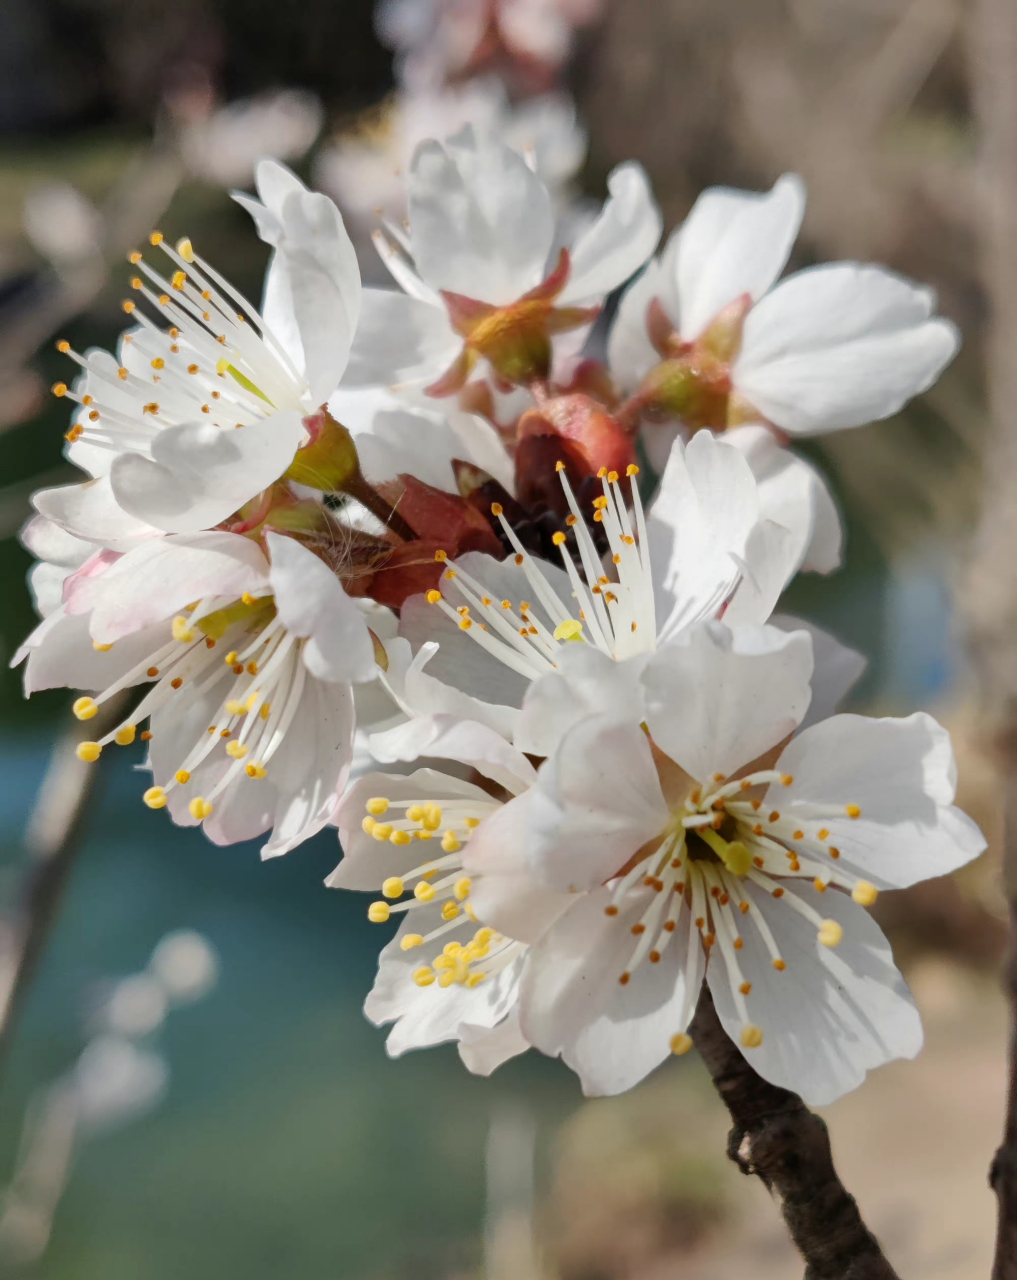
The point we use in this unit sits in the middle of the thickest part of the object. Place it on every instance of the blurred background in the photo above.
(189, 1087)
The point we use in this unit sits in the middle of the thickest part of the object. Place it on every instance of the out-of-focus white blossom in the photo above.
(224, 147)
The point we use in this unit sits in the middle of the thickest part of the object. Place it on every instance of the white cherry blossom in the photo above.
(201, 412)
(708, 332)
(482, 278)
(250, 664)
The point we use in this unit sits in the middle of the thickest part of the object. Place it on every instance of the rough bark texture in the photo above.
(776, 1137)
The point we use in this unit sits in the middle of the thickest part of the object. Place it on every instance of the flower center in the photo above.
(722, 836)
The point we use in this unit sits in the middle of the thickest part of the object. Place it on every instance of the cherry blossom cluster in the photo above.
(492, 586)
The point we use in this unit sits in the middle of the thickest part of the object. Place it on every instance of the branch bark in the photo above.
(776, 1137)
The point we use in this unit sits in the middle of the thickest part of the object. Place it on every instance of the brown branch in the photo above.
(52, 839)
(776, 1137)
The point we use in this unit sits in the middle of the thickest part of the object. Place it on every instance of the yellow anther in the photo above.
(471, 824)
(235, 707)
(449, 911)
(88, 751)
(432, 816)
(461, 888)
(393, 887)
(415, 812)
(450, 842)
(496, 509)
(864, 893)
(447, 960)
(602, 473)
(570, 629)
(752, 1036)
(483, 936)
(786, 779)
(632, 469)
(780, 965)
(185, 249)
(452, 949)
(424, 976)
(266, 710)
(255, 770)
(178, 279)
(382, 830)
(558, 538)
(599, 504)
(200, 808)
(378, 912)
(680, 1043)
(612, 477)
(155, 238)
(410, 940)
(155, 798)
(85, 708)
(433, 596)
(376, 806)
(441, 556)
(446, 978)
(158, 363)
(401, 837)
(182, 776)
(475, 979)
(230, 658)
(559, 465)
(59, 389)
(247, 598)
(183, 632)
(424, 892)
(852, 811)
(101, 648)
(830, 933)
(236, 749)
(124, 736)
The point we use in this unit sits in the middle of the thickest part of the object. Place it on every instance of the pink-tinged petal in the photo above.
(199, 473)
(623, 237)
(481, 222)
(573, 1005)
(313, 604)
(733, 242)
(899, 777)
(834, 1013)
(164, 575)
(840, 345)
(719, 697)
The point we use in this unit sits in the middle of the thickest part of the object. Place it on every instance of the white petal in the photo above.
(572, 1003)
(839, 345)
(698, 527)
(836, 668)
(309, 770)
(768, 565)
(163, 575)
(313, 605)
(619, 242)
(718, 697)
(480, 220)
(422, 695)
(482, 1049)
(399, 340)
(587, 683)
(48, 540)
(630, 354)
(902, 775)
(199, 473)
(793, 494)
(90, 511)
(607, 802)
(444, 737)
(834, 1013)
(61, 655)
(734, 242)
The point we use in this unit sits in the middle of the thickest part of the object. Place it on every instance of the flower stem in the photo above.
(776, 1137)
